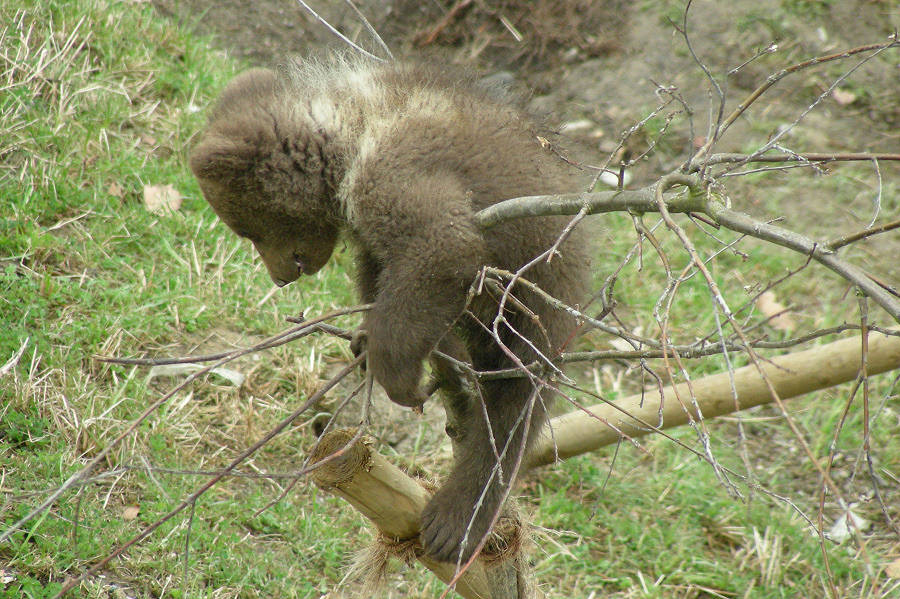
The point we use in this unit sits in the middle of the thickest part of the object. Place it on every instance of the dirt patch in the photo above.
(275, 30)
(507, 33)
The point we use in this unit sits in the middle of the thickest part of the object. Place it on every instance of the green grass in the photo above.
(85, 269)
(100, 99)
(664, 517)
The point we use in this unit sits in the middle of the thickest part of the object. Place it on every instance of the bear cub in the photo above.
(396, 159)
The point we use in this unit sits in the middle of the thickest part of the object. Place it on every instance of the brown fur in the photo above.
(398, 158)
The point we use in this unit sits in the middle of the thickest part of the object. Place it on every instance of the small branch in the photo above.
(306, 327)
(692, 352)
(742, 223)
(343, 37)
(776, 77)
(370, 29)
(427, 38)
(819, 157)
(715, 125)
(840, 242)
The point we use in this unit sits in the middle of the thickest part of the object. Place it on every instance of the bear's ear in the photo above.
(240, 129)
(253, 87)
(217, 157)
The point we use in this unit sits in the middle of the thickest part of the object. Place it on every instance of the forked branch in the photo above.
(699, 200)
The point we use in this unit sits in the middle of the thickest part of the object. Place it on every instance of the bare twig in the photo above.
(819, 157)
(715, 124)
(306, 327)
(840, 242)
(427, 38)
(343, 37)
(776, 77)
(370, 29)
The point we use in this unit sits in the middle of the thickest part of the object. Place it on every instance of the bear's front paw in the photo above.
(445, 522)
(397, 374)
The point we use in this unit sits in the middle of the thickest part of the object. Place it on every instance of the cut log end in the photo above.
(335, 461)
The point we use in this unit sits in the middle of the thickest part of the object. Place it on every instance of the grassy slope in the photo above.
(100, 99)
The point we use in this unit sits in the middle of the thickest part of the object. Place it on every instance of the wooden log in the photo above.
(791, 375)
(393, 501)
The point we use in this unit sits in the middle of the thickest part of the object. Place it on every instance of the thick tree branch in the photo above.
(393, 501)
(643, 200)
(640, 200)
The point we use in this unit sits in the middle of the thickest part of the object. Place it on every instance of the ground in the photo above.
(92, 118)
